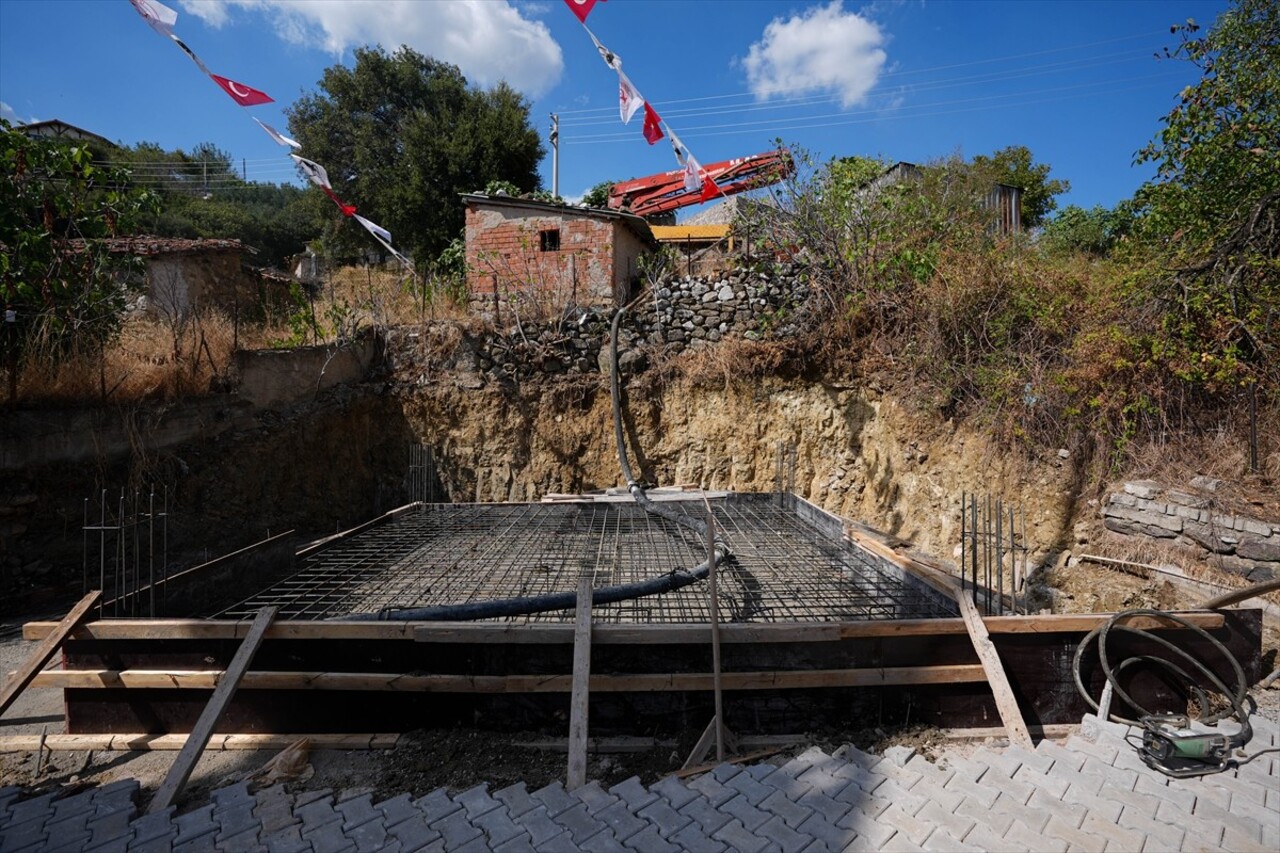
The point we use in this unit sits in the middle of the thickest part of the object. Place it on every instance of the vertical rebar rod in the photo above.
(964, 545)
(84, 551)
(1025, 551)
(973, 533)
(164, 557)
(102, 549)
(999, 557)
(986, 542)
(1013, 563)
(714, 607)
(151, 551)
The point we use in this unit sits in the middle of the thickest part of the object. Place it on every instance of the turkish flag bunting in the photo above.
(157, 15)
(629, 99)
(692, 173)
(580, 8)
(709, 189)
(245, 96)
(347, 209)
(652, 124)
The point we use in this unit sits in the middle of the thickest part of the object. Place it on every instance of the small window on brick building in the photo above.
(549, 240)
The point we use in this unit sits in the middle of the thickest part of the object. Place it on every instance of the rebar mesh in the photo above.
(783, 569)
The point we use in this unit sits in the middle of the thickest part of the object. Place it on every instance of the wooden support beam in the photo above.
(217, 743)
(41, 654)
(1006, 703)
(703, 746)
(180, 772)
(405, 683)
(714, 607)
(578, 698)
(452, 632)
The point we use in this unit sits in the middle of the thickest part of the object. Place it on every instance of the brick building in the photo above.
(552, 253)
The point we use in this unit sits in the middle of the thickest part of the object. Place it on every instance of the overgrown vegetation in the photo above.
(1160, 316)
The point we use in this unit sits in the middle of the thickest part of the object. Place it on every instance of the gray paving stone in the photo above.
(900, 843)
(358, 811)
(789, 786)
(802, 762)
(561, 843)
(620, 821)
(69, 807)
(851, 753)
(369, 836)
(650, 841)
(595, 798)
(706, 816)
(8, 795)
(899, 796)
(986, 839)
(778, 831)
(1166, 836)
(674, 792)
(556, 799)
(498, 826)
(831, 809)
(434, 806)
(476, 846)
(230, 796)
(153, 826)
(1102, 752)
(517, 799)
(275, 809)
(455, 829)
(760, 771)
(200, 844)
(604, 842)
(832, 836)
(870, 831)
(1062, 758)
(1118, 837)
(966, 787)
(1032, 817)
(476, 801)
(865, 779)
(1072, 836)
(328, 838)
(1021, 834)
(516, 845)
(233, 820)
(194, 824)
(540, 826)
(957, 825)
(155, 845)
(28, 833)
(715, 791)
(1069, 813)
(695, 840)
(397, 808)
(1238, 841)
(870, 805)
(944, 842)
(666, 819)
(984, 816)
(637, 796)
(243, 842)
(1101, 807)
(317, 814)
(580, 825)
(1212, 793)
(287, 839)
(747, 814)
(929, 771)
(1154, 786)
(413, 832)
(1017, 791)
(792, 813)
(750, 788)
(1037, 761)
(1038, 781)
(915, 829)
(1247, 826)
(1114, 777)
(304, 797)
(724, 772)
(37, 808)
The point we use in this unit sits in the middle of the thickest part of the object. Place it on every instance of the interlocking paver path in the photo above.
(1089, 793)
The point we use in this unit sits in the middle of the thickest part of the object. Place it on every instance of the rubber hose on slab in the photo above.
(1229, 598)
(529, 605)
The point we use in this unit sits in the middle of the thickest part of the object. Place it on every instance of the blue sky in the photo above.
(913, 80)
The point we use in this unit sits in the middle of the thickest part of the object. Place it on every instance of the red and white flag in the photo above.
(279, 137)
(629, 99)
(245, 96)
(580, 8)
(191, 53)
(610, 58)
(709, 189)
(374, 228)
(347, 209)
(692, 174)
(157, 15)
(652, 124)
(314, 172)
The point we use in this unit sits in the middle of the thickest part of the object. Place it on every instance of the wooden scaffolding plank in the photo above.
(41, 654)
(580, 695)
(180, 772)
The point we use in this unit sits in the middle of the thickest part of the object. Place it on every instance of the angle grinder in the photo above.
(1170, 745)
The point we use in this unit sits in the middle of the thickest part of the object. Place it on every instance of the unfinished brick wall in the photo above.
(550, 259)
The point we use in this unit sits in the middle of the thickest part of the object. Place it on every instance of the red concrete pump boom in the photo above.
(665, 192)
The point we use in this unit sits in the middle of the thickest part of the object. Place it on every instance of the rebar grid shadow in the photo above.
(783, 569)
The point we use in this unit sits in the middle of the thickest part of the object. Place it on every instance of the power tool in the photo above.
(1170, 745)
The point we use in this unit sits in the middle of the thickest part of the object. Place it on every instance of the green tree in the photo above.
(1094, 231)
(1014, 166)
(57, 273)
(1213, 213)
(402, 135)
(598, 196)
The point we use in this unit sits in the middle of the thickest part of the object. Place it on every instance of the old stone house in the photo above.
(183, 275)
(553, 254)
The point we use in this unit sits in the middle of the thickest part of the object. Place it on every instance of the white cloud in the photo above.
(490, 40)
(7, 113)
(823, 49)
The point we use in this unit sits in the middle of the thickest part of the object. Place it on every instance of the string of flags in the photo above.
(630, 101)
(162, 19)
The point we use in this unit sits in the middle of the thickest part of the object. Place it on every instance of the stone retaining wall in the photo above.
(1238, 544)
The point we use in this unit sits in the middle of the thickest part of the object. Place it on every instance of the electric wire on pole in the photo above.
(555, 155)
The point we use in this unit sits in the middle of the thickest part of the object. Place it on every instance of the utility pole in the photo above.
(244, 170)
(555, 155)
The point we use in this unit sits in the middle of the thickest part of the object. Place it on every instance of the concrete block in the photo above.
(236, 820)
(637, 796)
(579, 824)
(413, 833)
(455, 829)
(715, 792)
(830, 808)
(736, 836)
(984, 816)
(944, 842)
(516, 845)
(705, 815)
(1167, 836)
(785, 836)
(747, 814)
(957, 825)
(832, 836)
(1052, 785)
(1016, 791)
(620, 821)
(434, 806)
(693, 839)
(1074, 837)
(1240, 841)
(985, 795)
(673, 792)
(476, 801)
(1099, 806)
(1142, 488)
(905, 822)
(517, 800)
(1118, 837)
(555, 798)
(1033, 839)
(667, 820)
(603, 842)
(1071, 814)
(985, 838)
(904, 799)
(594, 797)
(200, 822)
(540, 826)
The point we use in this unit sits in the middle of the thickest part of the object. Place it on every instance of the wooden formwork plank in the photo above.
(180, 772)
(143, 742)
(407, 683)
(41, 654)
(581, 690)
(452, 632)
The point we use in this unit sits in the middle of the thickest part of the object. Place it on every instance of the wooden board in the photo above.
(216, 743)
(180, 772)
(452, 632)
(403, 682)
(1006, 702)
(41, 654)
(576, 776)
